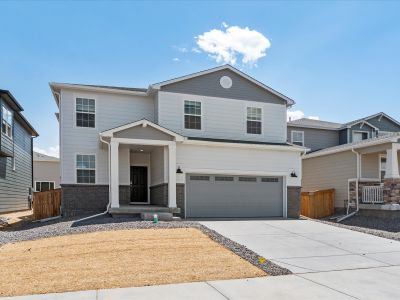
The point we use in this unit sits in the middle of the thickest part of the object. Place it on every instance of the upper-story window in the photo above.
(192, 115)
(254, 120)
(6, 123)
(360, 136)
(85, 112)
(298, 138)
(85, 168)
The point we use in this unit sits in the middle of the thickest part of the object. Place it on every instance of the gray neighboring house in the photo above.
(208, 144)
(16, 147)
(46, 172)
(359, 159)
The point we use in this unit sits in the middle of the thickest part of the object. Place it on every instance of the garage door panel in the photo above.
(227, 198)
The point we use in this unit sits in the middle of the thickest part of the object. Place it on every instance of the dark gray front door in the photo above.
(233, 196)
(138, 184)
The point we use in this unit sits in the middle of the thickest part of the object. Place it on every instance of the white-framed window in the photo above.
(254, 120)
(297, 137)
(6, 122)
(382, 166)
(85, 112)
(192, 112)
(86, 168)
(42, 186)
(360, 136)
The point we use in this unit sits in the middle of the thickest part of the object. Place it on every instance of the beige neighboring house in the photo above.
(46, 172)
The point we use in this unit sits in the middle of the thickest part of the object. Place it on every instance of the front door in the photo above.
(138, 184)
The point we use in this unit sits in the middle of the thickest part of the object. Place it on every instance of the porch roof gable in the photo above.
(144, 123)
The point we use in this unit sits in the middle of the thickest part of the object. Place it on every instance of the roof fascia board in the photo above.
(241, 145)
(313, 127)
(55, 85)
(361, 121)
(110, 132)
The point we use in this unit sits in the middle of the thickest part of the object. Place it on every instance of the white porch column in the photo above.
(392, 162)
(114, 173)
(172, 175)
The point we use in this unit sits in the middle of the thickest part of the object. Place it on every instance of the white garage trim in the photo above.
(241, 172)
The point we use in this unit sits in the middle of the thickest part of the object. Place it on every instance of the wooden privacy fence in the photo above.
(318, 204)
(46, 204)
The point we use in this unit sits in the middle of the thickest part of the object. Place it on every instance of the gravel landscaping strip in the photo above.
(386, 228)
(33, 231)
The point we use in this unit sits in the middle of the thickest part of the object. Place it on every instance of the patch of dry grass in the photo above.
(112, 259)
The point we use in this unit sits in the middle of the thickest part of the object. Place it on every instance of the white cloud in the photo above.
(299, 114)
(196, 50)
(295, 115)
(51, 151)
(225, 25)
(176, 59)
(225, 46)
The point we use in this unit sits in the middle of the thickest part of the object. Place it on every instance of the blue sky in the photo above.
(338, 60)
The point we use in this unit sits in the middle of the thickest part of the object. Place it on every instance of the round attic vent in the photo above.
(225, 82)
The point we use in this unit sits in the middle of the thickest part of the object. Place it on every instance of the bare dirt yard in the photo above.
(120, 258)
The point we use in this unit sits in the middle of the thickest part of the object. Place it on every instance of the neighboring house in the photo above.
(16, 140)
(317, 135)
(46, 172)
(361, 153)
(209, 144)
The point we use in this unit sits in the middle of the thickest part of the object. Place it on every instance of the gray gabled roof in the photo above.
(382, 114)
(310, 123)
(43, 157)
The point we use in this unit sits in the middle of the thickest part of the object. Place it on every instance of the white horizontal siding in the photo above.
(112, 110)
(222, 118)
(233, 160)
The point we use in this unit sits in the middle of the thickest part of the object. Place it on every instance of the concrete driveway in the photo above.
(352, 263)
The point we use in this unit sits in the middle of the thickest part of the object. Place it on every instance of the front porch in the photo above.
(377, 186)
(142, 168)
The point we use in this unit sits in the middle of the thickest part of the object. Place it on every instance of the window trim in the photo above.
(48, 181)
(380, 156)
(262, 120)
(359, 131)
(201, 115)
(297, 131)
(85, 96)
(12, 122)
(76, 169)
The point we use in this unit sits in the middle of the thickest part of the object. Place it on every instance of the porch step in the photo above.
(162, 216)
(138, 209)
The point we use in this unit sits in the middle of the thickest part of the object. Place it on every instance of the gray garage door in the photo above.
(233, 196)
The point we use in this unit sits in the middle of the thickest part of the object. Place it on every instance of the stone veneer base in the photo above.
(293, 201)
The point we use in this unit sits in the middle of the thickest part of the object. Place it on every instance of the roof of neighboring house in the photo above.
(318, 124)
(381, 114)
(13, 103)
(42, 157)
(124, 88)
(311, 123)
(392, 138)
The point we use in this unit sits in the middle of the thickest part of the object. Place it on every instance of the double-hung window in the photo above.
(192, 115)
(42, 186)
(85, 168)
(254, 120)
(85, 112)
(298, 138)
(6, 122)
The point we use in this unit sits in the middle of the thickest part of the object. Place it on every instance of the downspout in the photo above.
(109, 186)
(348, 215)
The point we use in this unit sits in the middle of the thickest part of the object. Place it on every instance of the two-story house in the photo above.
(16, 146)
(359, 159)
(209, 144)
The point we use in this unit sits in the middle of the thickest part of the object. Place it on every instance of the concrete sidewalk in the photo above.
(381, 283)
